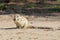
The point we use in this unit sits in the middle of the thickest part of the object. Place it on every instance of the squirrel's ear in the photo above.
(26, 17)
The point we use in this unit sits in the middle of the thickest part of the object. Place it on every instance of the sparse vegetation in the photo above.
(3, 6)
(44, 7)
(54, 6)
(58, 1)
(31, 5)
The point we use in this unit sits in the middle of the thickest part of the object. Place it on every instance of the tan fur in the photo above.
(21, 21)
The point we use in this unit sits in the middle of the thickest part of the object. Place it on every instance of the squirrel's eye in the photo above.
(17, 19)
(17, 16)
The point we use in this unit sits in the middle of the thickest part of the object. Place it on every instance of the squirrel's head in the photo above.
(16, 17)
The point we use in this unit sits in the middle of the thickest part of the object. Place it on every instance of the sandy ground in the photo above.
(6, 22)
(50, 22)
(29, 34)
